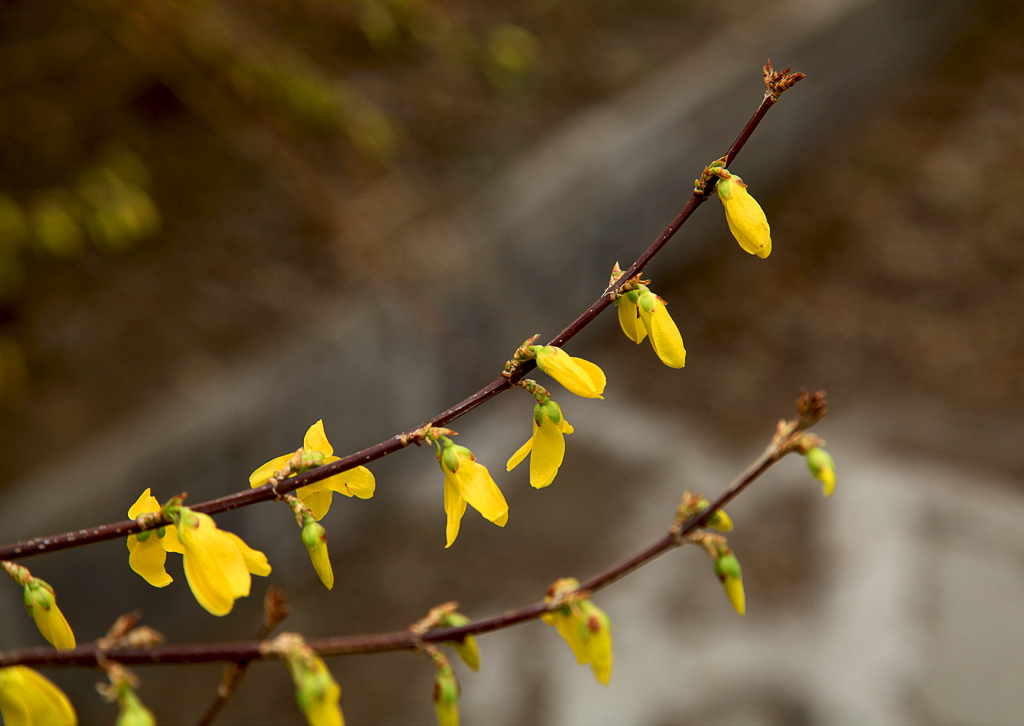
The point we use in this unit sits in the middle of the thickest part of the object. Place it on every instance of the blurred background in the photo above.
(221, 221)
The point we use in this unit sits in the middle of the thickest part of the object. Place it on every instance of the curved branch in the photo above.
(811, 409)
(267, 492)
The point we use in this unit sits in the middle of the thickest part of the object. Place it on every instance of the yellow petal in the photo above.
(447, 713)
(325, 712)
(734, 589)
(828, 482)
(548, 452)
(354, 482)
(170, 541)
(517, 458)
(30, 699)
(720, 521)
(454, 507)
(259, 477)
(579, 376)
(569, 628)
(587, 644)
(145, 504)
(468, 651)
(629, 320)
(54, 626)
(317, 497)
(595, 376)
(255, 561)
(316, 439)
(747, 220)
(480, 491)
(148, 558)
(214, 566)
(322, 564)
(665, 337)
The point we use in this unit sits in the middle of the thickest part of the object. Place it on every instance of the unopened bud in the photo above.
(728, 569)
(446, 697)
(823, 469)
(467, 649)
(133, 713)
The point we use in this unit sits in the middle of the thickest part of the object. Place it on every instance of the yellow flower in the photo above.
(745, 217)
(467, 481)
(41, 604)
(148, 550)
(586, 628)
(580, 376)
(217, 563)
(317, 450)
(547, 445)
(823, 469)
(314, 537)
(30, 699)
(727, 567)
(316, 690)
(641, 312)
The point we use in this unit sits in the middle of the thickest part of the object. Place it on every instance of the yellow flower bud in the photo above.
(823, 469)
(132, 713)
(719, 520)
(727, 567)
(744, 215)
(446, 697)
(316, 690)
(314, 537)
(467, 649)
(41, 604)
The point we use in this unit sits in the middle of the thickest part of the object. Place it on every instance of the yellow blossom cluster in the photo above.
(218, 564)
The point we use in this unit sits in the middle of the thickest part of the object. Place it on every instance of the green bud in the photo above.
(467, 649)
(143, 536)
(647, 300)
(38, 594)
(823, 469)
(538, 414)
(133, 713)
(554, 412)
(313, 534)
(446, 697)
(449, 458)
(724, 188)
(727, 566)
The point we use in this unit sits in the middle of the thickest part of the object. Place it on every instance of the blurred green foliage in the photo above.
(126, 120)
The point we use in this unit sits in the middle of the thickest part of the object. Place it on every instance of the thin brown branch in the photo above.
(811, 408)
(275, 610)
(267, 492)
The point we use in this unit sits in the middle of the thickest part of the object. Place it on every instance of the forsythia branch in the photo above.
(775, 83)
(788, 438)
